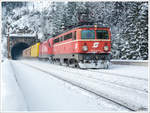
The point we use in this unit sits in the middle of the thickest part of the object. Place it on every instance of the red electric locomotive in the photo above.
(84, 47)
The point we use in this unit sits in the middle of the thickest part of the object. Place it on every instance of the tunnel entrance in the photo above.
(16, 51)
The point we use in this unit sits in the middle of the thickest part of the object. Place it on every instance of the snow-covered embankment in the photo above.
(12, 97)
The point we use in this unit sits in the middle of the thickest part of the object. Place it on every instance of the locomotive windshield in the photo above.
(102, 34)
(88, 34)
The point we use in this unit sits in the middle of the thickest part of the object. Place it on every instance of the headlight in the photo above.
(85, 48)
(106, 48)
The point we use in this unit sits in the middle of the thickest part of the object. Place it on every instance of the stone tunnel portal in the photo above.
(16, 51)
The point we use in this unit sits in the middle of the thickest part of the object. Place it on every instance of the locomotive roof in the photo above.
(83, 26)
(91, 26)
(87, 26)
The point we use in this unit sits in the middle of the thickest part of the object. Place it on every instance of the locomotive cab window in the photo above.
(102, 34)
(88, 34)
(68, 36)
(56, 40)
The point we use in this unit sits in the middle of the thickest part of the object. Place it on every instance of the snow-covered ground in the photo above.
(41, 91)
(12, 97)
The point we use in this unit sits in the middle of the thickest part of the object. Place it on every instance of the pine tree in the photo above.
(135, 28)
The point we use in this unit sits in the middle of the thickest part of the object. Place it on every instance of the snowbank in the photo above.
(12, 97)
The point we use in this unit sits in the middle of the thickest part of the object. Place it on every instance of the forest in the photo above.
(128, 22)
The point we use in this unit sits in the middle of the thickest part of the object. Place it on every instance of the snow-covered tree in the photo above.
(136, 34)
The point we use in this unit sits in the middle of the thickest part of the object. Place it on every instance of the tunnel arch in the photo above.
(16, 51)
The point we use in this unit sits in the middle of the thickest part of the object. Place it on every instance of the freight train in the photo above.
(87, 46)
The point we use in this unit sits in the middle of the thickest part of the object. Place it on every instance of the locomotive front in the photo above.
(94, 47)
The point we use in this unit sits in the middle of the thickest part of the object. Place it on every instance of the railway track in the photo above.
(97, 75)
(97, 79)
(97, 92)
(116, 74)
(112, 74)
